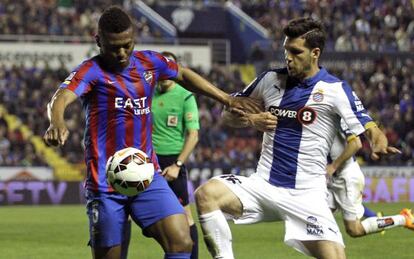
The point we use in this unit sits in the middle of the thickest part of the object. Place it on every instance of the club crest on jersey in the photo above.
(318, 96)
(148, 76)
(306, 115)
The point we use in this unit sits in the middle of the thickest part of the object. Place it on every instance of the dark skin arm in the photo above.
(195, 83)
(58, 133)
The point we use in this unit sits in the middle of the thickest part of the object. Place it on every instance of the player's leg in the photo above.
(180, 188)
(309, 223)
(378, 224)
(126, 239)
(193, 232)
(168, 225)
(244, 199)
(368, 213)
(172, 233)
(212, 199)
(107, 220)
(323, 249)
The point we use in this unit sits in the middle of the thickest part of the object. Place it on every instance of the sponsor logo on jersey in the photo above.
(313, 227)
(305, 115)
(138, 105)
(358, 104)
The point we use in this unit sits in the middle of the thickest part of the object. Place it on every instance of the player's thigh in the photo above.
(323, 249)
(107, 213)
(307, 218)
(215, 194)
(155, 203)
(347, 189)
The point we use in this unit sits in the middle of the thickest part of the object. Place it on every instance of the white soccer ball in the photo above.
(129, 171)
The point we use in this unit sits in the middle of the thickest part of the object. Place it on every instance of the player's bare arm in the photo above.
(57, 133)
(171, 173)
(263, 121)
(379, 143)
(197, 84)
(353, 145)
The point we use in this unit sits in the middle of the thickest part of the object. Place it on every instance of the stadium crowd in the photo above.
(60, 18)
(355, 25)
(386, 92)
(386, 89)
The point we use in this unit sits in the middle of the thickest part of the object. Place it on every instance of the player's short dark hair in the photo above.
(313, 31)
(114, 20)
(169, 54)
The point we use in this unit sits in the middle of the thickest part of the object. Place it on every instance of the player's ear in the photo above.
(315, 53)
(98, 40)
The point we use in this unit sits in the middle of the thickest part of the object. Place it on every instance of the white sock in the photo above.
(217, 234)
(377, 224)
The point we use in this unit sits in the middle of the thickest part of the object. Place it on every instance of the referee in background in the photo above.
(175, 134)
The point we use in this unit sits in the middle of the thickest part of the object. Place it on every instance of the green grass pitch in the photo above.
(43, 232)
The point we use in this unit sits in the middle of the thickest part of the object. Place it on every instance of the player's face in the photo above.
(116, 48)
(299, 58)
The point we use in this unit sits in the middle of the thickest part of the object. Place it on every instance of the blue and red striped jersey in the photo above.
(117, 106)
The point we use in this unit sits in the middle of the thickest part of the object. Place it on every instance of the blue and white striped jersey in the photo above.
(309, 114)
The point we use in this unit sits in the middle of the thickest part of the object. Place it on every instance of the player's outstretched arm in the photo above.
(379, 143)
(263, 121)
(197, 84)
(57, 133)
(354, 144)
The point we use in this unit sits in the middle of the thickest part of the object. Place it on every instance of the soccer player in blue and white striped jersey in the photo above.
(303, 106)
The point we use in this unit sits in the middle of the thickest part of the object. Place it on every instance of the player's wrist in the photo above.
(178, 163)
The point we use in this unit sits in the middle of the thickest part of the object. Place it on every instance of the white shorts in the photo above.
(306, 212)
(345, 191)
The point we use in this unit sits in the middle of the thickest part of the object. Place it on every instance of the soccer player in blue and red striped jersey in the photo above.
(116, 89)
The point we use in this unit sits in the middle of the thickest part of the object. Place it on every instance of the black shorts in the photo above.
(179, 185)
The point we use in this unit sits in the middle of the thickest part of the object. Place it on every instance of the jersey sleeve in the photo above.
(166, 67)
(80, 80)
(352, 111)
(191, 119)
(346, 131)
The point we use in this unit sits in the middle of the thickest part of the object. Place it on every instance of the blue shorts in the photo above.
(108, 212)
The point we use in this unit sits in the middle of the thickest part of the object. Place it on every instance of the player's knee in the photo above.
(205, 196)
(355, 231)
(181, 242)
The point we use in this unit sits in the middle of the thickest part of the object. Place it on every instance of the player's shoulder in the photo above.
(272, 75)
(330, 79)
(146, 54)
(88, 64)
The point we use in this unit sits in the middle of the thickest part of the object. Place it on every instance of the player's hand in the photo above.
(330, 169)
(377, 151)
(263, 121)
(171, 172)
(56, 135)
(379, 144)
(244, 105)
